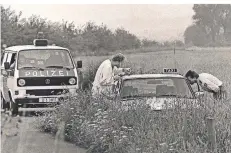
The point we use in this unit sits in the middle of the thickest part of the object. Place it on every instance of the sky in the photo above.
(153, 21)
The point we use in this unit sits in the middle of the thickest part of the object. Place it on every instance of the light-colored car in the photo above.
(37, 74)
(159, 91)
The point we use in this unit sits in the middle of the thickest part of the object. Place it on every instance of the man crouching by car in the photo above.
(208, 83)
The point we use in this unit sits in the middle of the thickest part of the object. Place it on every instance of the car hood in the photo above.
(156, 103)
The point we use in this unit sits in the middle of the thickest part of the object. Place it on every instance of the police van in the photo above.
(37, 74)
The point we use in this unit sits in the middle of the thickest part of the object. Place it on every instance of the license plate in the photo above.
(48, 99)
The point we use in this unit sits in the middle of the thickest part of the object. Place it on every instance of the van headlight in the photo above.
(72, 81)
(21, 82)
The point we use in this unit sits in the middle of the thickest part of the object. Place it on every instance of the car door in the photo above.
(196, 87)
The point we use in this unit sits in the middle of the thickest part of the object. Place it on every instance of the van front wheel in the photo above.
(14, 108)
(4, 105)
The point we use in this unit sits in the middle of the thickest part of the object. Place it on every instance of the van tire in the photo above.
(4, 104)
(14, 108)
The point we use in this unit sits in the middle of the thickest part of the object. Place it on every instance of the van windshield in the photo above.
(44, 58)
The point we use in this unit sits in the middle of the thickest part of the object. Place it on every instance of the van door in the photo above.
(4, 76)
(7, 77)
(11, 74)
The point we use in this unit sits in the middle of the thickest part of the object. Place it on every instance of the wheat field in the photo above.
(101, 125)
(213, 61)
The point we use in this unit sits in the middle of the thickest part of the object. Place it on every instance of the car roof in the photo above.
(28, 47)
(144, 76)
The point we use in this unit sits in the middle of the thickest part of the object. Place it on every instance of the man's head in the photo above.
(117, 60)
(192, 76)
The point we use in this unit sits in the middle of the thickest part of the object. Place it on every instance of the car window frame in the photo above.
(190, 87)
(186, 81)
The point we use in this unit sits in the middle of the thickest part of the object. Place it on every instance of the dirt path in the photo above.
(27, 139)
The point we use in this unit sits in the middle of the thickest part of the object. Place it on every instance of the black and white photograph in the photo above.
(128, 77)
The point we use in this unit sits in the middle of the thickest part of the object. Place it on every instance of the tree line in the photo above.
(89, 38)
(211, 25)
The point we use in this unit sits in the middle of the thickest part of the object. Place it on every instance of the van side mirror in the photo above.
(7, 65)
(79, 64)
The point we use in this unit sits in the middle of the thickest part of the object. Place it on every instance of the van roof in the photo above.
(32, 47)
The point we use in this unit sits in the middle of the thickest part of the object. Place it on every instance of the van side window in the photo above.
(13, 61)
(4, 59)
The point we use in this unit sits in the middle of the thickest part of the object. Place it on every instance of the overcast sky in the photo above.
(159, 22)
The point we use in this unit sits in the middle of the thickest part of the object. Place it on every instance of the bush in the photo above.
(103, 125)
(89, 76)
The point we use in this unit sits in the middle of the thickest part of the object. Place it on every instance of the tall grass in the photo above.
(102, 125)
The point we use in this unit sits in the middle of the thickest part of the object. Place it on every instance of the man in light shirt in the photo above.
(208, 83)
(105, 76)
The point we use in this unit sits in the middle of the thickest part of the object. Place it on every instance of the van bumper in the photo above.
(22, 101)
(35, 95)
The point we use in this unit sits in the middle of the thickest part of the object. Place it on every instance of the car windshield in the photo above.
(44, 58)
(156, 87)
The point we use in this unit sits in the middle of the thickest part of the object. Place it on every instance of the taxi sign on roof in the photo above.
(40, 42)
(169, 70)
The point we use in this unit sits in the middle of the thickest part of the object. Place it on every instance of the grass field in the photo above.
(216, 62)
(101, 125)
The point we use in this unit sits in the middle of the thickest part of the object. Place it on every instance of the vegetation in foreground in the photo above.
(102, 125)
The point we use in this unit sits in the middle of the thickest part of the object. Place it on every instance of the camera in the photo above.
(122, 71)
(127, 70)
